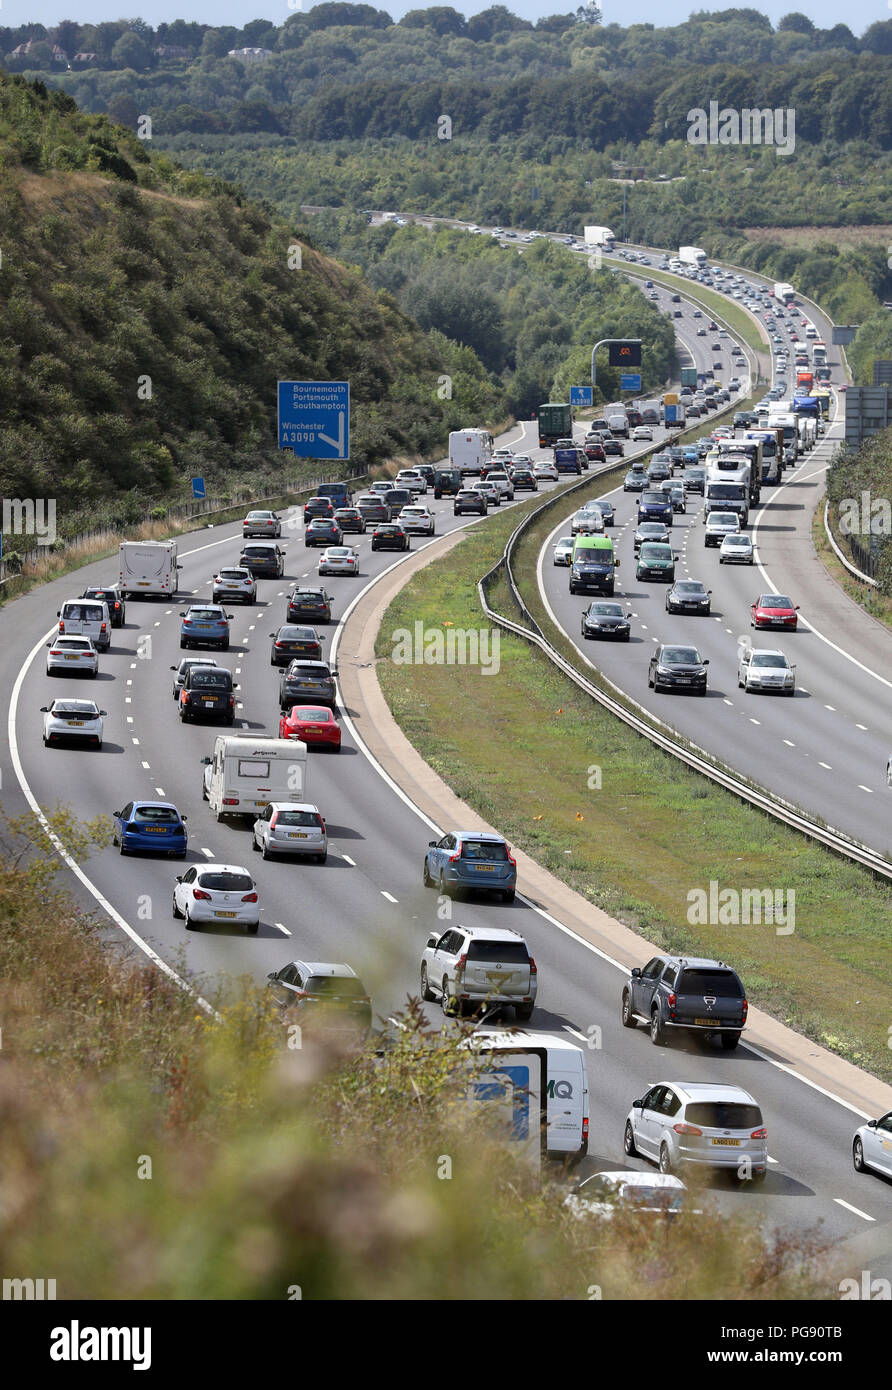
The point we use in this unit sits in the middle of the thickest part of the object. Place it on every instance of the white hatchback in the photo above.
(291, 827)
(736, 550)
(338, 559)
(418, 521)
(218, 893)
(77, 721)
(74, 655)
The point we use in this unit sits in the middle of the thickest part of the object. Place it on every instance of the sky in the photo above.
(857, 14)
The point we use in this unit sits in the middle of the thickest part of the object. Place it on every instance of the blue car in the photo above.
(205, 625)
(470, 859)
(154, 826)
(655, 506)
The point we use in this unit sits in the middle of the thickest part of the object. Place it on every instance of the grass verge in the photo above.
(877, 605)
(526, 750)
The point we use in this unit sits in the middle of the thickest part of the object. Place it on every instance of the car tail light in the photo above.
(200, 893)
(759, 1133)
(585, 1127)
(511, 859)
(687, 1129)
(462, 960)
(232, 701)
(534, 969)
(187, 622)
(744, 1010)
(280, 644)
(454, 858)
(671, 1001)
(249, 898)
(273, 818)
(102, 628)
(52, 653)
(230, 801)
(321, 822)
(61, 629)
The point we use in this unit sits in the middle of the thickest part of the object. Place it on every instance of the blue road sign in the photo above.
(314, 418)
(198, 487)
(580, 395)
(630, 381)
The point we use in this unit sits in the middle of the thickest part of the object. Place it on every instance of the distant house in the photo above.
(84, 58)
(250, 55)
(627, 171)
(172, 50)
(23, 49)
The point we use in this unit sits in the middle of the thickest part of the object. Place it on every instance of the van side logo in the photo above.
(559, 1090)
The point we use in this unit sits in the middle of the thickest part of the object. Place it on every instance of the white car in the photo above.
(501, 480)
(699, 1124)
(872, 1146)
(736, 550)
(502, 455)
(76, 655)
(719, 525)
(75, 720)
(491, 493)
(545, 470)
(291, 827)
(587, 523)
(338, 559)
(412, 481)
(234, 583)
(418, 521)
(217, 893)
(762, 669)
(604, 1193)
(563, 551)
(642, 432)
(521, 461)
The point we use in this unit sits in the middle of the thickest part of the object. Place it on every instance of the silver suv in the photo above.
(699, 1124)
(479, 965)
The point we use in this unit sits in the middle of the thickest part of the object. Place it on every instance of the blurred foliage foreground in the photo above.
(152, 1149)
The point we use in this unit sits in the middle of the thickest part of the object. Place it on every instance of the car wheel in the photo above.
(629, 1140)
(425, 875)
(628, 1018)
(176, 911)
(427, 993)
(657, 1032)
(508, 895)
(858, 1157)
(446, 1000)
(264, 851)
(665, 1160)
(730, 1041)
(251, 928)
(523, 1012)
(254, 845)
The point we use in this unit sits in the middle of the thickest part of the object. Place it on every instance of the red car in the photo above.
(311, 724)
(595, 452)
(774, 610)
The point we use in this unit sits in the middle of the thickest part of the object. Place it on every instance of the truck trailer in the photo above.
(691, 255)
(600, 236)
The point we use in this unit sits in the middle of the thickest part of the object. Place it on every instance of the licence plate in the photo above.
(154, 830)
(684, 680)
(297, 835)
(75, 723)
(485, 868)
(72, 658)
(261, 804)
(203, 627)
(728, 1143)
(207, 699)
(235, 914)
(707, 1021)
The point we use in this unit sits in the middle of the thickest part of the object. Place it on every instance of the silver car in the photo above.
(291, 827)
(872, 1146)
(73, 655)
(464, 966)
(234, 582)
(563, 551)
(763, 669)
(700, 1124)
(736, 550)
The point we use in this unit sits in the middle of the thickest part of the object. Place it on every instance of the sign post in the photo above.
(314, 418)
(580, 395)
(198, 488)
(622, 352)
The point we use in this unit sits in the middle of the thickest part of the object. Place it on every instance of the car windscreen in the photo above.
(657, 497)
(210, 680)
(771, 659)
(775, 601)
(681, 656)
(606, 610)
(226, 882)
(719, 982)
(488, 850)
(686, 586)
(335, 984)
(156, 815)
(512, 952)
(313, 716)
(233, 574)
(81, 613)
(723, 1114)
(205, 615)
(298, 818)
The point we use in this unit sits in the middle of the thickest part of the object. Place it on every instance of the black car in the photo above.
(110, 594)
(208, 692)
(322, 532)
(605, 619)
(690, 993)
(613, 448)
(308, 603)
(650, 531)
(688, 596)
(694, 478)
(185, 665)
(263, 558)
(524, 480)
(318, 506)
(447, 482)
(390, 536)
(677, 668)
(675, 453)
(607, 510)
(291, 641)
(350, 519)
(467, 500)
(306, 683)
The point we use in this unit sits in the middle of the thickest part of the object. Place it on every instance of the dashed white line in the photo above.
(576, 1033)
(146, 766)
(389, 896)
(130, 682)
(789, 743)
(826, 765)
(129, 718)
(863, 727)
(754, 721)
(862, 788)
(831, 708)
(208, 852)
(347, 860)
(136, 741)
(726, 701)
(848, 1206)
(160, 791)
(283, 928)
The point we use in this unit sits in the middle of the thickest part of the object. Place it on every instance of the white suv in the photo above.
(410, 480)
(699, 1124)
(465, 966)
(500, 479)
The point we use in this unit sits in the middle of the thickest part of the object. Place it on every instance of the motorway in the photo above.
(366, 905)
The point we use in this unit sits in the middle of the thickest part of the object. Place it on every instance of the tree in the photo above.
(441, 18)
(589, 13)
(131, 51)
(67, 35)
(40, 55)
(123, 110)
(878, 38)
(496, 20)
(215, 44)
(251, 33)
(335, 15)
(796, 23)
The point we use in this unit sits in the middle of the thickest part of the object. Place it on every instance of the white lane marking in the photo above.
(831, 708)
(57, 844)
(576, 1033)
(389, 896)
(826, 765)
(283, 928)
(208, 852)
(133, 666)
(347, 860)
(855, 1210)
(135, 741)
(862, 788)
(146, 766)
(862, 727)
(160, 791)
(128, 700)
(789, 743)
(754, 721)
(129, 718)
(726, 701)
(130, 682)
(772, 1160)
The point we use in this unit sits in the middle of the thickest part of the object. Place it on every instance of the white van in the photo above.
(86, 617)
(245, 774)
(618, 423)
(148, 568)
(566, 1086)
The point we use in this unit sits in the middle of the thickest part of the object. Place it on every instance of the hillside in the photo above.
(147, 312)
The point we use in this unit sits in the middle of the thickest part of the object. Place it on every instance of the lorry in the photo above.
(733, 452)
(148, 568)
(691, 255)
(673, 412)
(244, 774)
(555, 422)
(600, 236)
(783, 292)
(806, 380)
(728, 491)
(689, 376)
(771, 454)
(819, 353)
(785, 420)
(470, 451)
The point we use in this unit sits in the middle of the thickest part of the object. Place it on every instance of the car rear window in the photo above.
(307, 672)
(486, 850)
(514, 952)
(319, 716)
(298, 818)
(210, 680)
(719, 982)
(723, 1114)
(226, 882)
(82, 613)
(157, 815)
(335, 984)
